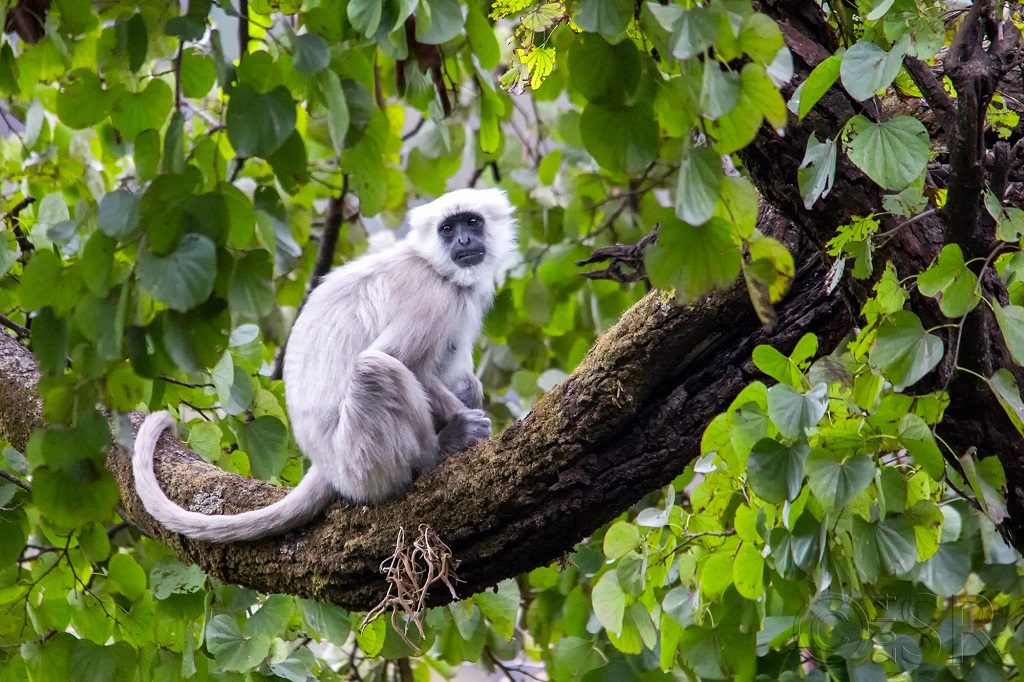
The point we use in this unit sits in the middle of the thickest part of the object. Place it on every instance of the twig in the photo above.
(415, 129)
(21, 332)
(15, 480)
(179, 382)
(628, 255)
(243, 27)
(931, 88)
(12, 218)
(177, 76)
(495, 173)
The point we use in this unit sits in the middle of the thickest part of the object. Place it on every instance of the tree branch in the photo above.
(931, 88)
(628, 420)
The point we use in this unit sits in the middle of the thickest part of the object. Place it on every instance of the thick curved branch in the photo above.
(628, 420)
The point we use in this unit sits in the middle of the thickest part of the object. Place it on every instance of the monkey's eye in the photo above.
(446, 229)
(473, 221)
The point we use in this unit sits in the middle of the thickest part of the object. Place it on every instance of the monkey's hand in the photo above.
(470, 391)
(465, 430)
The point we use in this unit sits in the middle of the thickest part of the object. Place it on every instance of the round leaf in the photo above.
(893, 153)
(183, 278)
(776, 471)
(258, 123)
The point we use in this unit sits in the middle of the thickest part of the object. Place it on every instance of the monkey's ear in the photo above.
(422, 218)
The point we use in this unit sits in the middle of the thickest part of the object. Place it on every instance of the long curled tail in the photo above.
(301, 504)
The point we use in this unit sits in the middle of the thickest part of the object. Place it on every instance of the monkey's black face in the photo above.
(463, 235)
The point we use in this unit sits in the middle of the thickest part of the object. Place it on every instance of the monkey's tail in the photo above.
(301, 504)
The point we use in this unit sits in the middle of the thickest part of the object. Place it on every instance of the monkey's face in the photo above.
(462, 235)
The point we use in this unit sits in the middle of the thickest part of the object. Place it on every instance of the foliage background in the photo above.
(169, 203)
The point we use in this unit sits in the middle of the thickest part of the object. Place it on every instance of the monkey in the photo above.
(378, 371)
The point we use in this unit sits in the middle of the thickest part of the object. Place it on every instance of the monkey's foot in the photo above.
(465, 430)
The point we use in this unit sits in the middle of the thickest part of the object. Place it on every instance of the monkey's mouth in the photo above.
(468, 258)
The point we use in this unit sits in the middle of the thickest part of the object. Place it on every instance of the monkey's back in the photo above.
(353, 307)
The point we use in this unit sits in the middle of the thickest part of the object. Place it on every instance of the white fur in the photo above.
(379, 359)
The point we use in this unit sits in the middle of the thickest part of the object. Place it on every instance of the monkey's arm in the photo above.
(416, 348)
(460, 378)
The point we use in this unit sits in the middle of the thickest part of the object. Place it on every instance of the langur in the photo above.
(378, 372)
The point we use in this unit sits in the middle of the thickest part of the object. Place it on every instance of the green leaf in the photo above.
(45, 283)
(817, 171)
(501, 608)
(1011, 324)
(896, 545)
(946, 571)
(119, 214)
(328, 619)
(251, 291)
(79, 493)
(234, 651)
(170, 576)
(917, 437)
(438, 21)
(795, 412)
(603, 73)
(609, 602)
(698, 184)
(264, 439)
(95, 544)
(134, 112)
(693, 260)
(337, 109)
(748, 572)
(272, 616)
(233, 384)
(258, 123)
(776, 471)
(198, 73)
(620, 539)
(760, 37)
(371, 638)
(126, 576)
(836, 483)
(174, 145)
(867, 68)
(312, 54)
(695, 30)
(1008, 395)
(950, 280)
(610, 18)
(716, 575)
(184, 278)
(572, 658)
(893, 153)
(620, 138)
(147, 154)
(904, 351)
(482, 40)
(364, 15)
(82, 102)
(720, 90)
(818, 83)
(777, 366)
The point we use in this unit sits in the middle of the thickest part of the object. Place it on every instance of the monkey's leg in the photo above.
(385, 433)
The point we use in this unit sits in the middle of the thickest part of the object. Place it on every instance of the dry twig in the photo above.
(410, 572)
